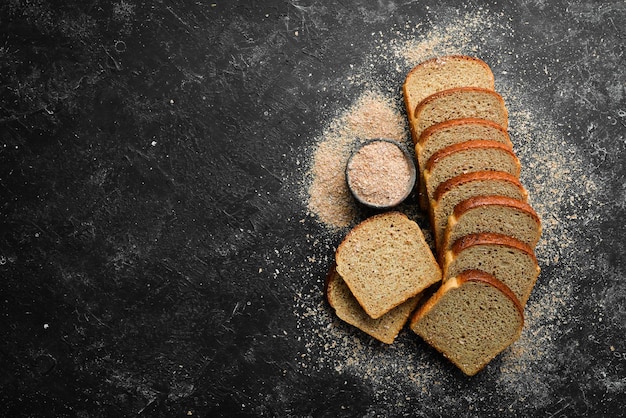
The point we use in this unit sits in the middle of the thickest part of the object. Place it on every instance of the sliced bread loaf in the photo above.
(347, 308)
(444, 73)
(471, 319)
(468, 157)
(385, 260)
(457, 189)
(499, 214)
(507, 259)
(460, 102)
(452, 132)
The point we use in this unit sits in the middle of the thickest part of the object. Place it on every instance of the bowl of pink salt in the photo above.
(380, 173)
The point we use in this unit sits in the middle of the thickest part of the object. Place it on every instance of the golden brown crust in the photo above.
(478, 201)
(458, 122)
(442, 93)
(491, 238)
(468, 276)
(481, 276)
(447, 185)
(465, 146)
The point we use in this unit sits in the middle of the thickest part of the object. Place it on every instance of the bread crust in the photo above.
(459, 122)
(473, 275)
(448, 185)
(491, 238)
(478, 201)
(481, 276)
(419, 108)
(466, 146)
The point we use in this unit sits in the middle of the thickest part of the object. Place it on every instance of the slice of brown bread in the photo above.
(506, 258)
(471, 319)
(347, 308)
(443, 73)
(385, 260)
(457, 103)
(468, 157)
(457, 189)
(499, 214)
(452, 132)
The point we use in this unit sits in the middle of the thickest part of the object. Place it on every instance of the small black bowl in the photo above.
(407, 187)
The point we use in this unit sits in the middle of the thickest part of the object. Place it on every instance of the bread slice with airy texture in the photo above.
(471, 319)
(499, 214)
(385, 260)
(457, 103)
(468, 157)
(443, 73)
(506, 258)
(347, 308)
(457, 189)
(452, 132)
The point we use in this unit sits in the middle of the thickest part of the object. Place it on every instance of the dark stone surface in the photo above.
(153, 233)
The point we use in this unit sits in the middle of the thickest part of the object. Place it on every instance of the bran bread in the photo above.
(385, 260)
(450, 132)
(457, 103)
(471, 319)
(506, 258)
(347, 308)
(468, 157)
(457, 189)
(499, 214)
(443, 73)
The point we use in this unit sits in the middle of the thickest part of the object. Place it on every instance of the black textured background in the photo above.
(153, 229)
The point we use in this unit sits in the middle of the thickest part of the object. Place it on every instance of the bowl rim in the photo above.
(412, 168)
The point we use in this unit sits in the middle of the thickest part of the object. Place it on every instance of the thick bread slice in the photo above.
(468, 157)
(457, 103)
(347, 308)
(507, 259)
(471, 319)
(444, 73)
(452, 132)
(457, 189)
(499, 214)
(385, 260)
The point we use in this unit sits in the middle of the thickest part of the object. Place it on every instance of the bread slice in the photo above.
(457, 103)
(450, 132)
(499, 214)
(444, 73)
(507, 259)
(468, 157)
(457, 189)
(347, 308)
(471, 319)
(385, 260)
